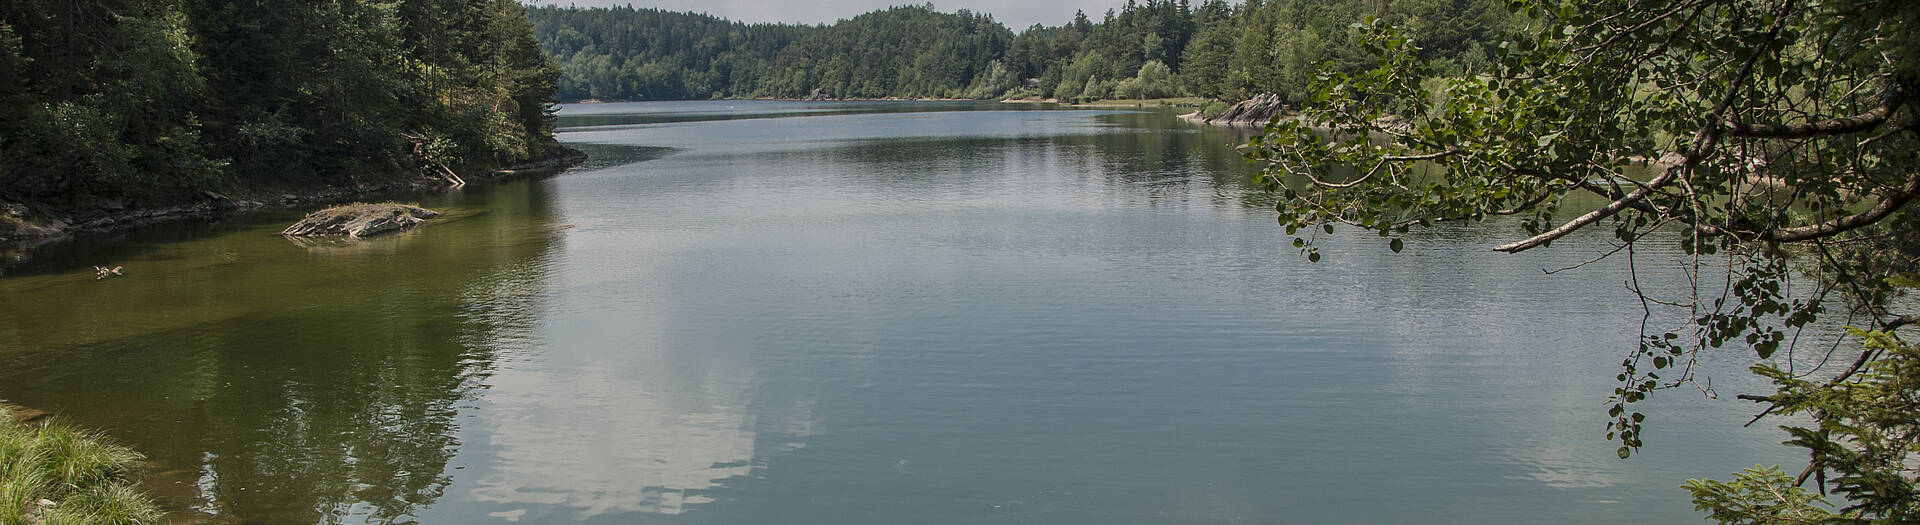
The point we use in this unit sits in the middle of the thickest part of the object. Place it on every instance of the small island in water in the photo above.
(361, 220)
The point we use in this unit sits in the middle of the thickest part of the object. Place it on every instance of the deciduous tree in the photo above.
(1775, 139)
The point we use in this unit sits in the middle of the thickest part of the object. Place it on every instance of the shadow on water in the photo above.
(602, 156)
(313, 384)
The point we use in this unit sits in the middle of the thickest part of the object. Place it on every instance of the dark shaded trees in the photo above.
(100, 97)
(623, 53)
(152, 101)
(908, 51)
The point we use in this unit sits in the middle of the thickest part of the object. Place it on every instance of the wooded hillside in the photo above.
(1154, 49)
(151, 101)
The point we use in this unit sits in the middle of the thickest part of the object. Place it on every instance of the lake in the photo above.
(853, 313)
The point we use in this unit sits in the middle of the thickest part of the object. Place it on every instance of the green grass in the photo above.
(89, 479)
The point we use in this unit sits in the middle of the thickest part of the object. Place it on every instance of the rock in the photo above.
(818, 95)
(361, 220)
(1255, 111)
(1394, 123)
(28, 415)
(218, 201)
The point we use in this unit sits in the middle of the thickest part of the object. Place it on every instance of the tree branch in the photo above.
(1879, 211)
(1704, 142)
(1666, 177)
(1834, 126)
(1376, 168)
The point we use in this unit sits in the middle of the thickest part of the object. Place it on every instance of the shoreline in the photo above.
(24, 225)
(781, 99)
(1098, 104)
(57, 225)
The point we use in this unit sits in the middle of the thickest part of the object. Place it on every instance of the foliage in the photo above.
(1866, 432)
(107, 100)
(1215, 49)
(1155, 80)
(1775, 138)
(1759, 495)
(624, 53)
(89, 479)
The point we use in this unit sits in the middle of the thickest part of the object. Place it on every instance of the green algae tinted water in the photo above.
(853, 313)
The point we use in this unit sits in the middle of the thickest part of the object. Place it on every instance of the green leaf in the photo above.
(1396, 245)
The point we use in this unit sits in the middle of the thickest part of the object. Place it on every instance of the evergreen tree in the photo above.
(130, 102)
(1218, 50)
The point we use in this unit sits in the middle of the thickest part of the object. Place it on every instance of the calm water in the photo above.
(760, 312)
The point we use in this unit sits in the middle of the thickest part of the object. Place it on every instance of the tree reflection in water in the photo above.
(349, 414)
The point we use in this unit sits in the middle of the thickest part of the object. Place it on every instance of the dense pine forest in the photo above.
(1160, 48)
(143, 102)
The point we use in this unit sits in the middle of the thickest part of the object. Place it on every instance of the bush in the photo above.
(89, 479)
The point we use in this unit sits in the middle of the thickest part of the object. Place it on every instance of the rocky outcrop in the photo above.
(1255, 111)
(1393, 124)
(360, 220)
(819, 95)
(16, 221)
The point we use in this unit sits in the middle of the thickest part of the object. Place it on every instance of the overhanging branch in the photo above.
(1887, 206)
(1704, 142)
(1834, 126)
(1668, 175)
(1376, 168)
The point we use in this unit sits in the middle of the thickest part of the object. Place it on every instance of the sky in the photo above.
(1016, 14)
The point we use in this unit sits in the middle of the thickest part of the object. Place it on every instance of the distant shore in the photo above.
(783, 99)
(1176, 102)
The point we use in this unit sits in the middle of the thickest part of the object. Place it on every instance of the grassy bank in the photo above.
(54, 473)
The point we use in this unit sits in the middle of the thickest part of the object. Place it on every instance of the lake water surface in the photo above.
(854, 313)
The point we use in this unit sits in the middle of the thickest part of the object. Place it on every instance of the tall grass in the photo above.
(88, 480)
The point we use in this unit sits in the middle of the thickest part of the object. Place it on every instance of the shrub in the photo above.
(89, 479)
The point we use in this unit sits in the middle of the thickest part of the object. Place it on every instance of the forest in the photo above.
(130, 103)
(1155, 49)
